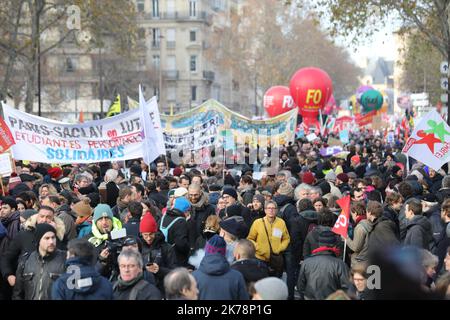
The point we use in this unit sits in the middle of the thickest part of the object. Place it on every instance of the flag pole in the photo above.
(407, 164)
(345, 250)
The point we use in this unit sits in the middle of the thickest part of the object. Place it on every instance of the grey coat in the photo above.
(360, 243)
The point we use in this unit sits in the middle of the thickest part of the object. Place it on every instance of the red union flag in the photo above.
(6, 138)
(341, 225)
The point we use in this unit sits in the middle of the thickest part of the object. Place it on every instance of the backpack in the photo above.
(280, 213)
(165, 230)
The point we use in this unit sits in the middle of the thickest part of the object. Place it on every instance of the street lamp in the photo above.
(37, 3)
(160, 70)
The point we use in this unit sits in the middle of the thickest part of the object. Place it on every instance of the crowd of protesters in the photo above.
(174, 231)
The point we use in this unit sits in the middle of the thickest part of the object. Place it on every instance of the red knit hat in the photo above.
(148, 224)
(308, 178)
(55, 172)
(177, 171)
(355, 159)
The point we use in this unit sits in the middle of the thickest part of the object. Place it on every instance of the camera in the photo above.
(118, 239)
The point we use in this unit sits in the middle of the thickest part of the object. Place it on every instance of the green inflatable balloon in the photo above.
(371, 100)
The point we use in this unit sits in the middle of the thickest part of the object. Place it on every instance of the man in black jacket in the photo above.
(200, 211)
(135, 213)
(24, 241)
(384, 232)
(38, 271)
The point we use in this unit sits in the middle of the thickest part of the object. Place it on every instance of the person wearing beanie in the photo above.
(174, 228)
(232, 229)
(230, 195)
(233, 207)
(308, 178)
(215, 279)
(14, 180)
(270, 288)
(256, 210)
(323, 273)
(159, 257)
(83, 222)
(103, 223)
(357, 166)
(177, 172)
(40, 285)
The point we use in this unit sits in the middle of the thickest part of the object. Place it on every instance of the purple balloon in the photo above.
(363, 89)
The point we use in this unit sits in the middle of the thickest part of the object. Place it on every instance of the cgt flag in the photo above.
(6, 137)
(430, 141)
(341, 225)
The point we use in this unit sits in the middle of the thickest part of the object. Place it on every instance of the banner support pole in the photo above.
(345, 250)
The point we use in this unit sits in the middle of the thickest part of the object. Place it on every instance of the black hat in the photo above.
(41, 229)
(325, 187)
(10, 201)
(27, 177)
(234, 210)
(234, 227)
(231, 192)
(327, 238)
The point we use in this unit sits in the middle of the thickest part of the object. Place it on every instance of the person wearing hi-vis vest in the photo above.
(269, 234)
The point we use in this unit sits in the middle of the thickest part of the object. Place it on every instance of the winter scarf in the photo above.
(98, 238)
(203, 201)
(124, 284)
(336, 251)
(359, 219)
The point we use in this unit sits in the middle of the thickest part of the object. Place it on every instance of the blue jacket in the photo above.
(84, 229)
(2, 231)
(217, 281)
(98, 289)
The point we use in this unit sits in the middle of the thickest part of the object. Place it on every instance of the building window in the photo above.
(141, 33)
(156, 37)
(171, 93)
(192, 8)
(193, 64)
(171, 8)
(156, 61)
(71, 64)
(235, 85)
(155, 8)
(68, 93)
(140, 5)
(193, 35)
(194, 93)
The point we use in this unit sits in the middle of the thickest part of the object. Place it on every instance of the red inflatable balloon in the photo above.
(278, 100)
(310, 88)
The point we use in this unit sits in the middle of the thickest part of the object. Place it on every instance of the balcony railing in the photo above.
(179, 16)
(171, 74)
(208, 75)
(156, 44)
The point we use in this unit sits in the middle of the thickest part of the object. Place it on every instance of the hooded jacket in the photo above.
(217, 281)
(383, 234)
(177, 236)
(252, 269)
(95, 286)
(433, 214)
(35, 275)
(12, 228)
(300, 225)
(286, 208)
(247, 194)
(24, 243)
(321, 275)
(311, 242)
(419, 232)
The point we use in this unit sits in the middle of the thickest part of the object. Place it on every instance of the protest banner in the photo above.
(49, 141)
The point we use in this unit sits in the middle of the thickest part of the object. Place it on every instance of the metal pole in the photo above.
(100, 65)
(448, 58)
(38, 56)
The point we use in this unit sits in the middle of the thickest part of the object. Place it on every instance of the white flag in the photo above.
(150, 136)
(152, 105)
(430, 141)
